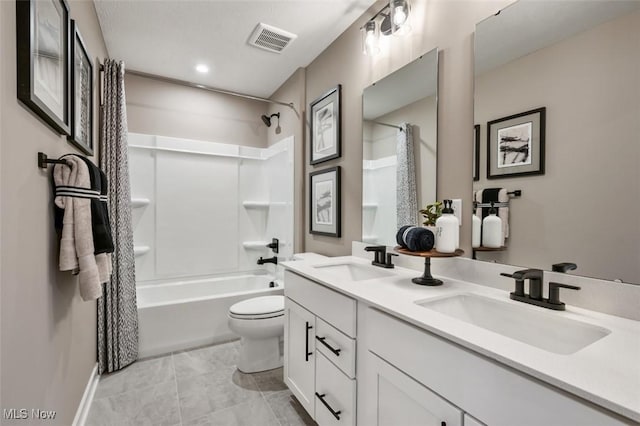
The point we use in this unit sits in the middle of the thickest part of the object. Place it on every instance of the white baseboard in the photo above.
(87, 398)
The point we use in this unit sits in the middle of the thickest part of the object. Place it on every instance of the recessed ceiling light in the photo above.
(202, 68)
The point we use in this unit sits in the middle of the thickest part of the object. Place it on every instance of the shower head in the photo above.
(267, 119)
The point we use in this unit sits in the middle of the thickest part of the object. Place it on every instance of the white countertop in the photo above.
(606, 372)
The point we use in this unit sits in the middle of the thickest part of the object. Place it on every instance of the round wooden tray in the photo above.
(427, 278)
(430, 253)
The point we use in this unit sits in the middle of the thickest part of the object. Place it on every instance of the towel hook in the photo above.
(43, 161)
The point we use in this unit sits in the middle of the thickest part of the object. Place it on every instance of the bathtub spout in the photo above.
(273, 260)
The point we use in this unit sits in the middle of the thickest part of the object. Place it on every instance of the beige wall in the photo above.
(291, 124)
(592, 152)
(166, 109)
(48, 337)
(446, 24)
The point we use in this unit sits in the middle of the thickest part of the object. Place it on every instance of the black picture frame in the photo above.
(330, 220)
(81, 103)
(521, 149)
(43, 60)
(325, 128)
(476, 152)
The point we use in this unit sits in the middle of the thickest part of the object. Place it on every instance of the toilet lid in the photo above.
(258, 306)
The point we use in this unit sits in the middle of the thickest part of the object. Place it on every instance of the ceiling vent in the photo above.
(271, 38)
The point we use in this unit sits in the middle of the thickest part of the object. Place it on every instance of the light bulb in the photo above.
(399, 16)
(370, 39)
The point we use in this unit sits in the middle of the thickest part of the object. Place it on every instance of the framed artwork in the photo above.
(81, 94)
(324, 202)
(42, 39)
(476, 152)
(515, 145)
(325, 127)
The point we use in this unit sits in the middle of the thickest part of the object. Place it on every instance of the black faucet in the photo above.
(274, 245)
(273, 260)
(535, 289)
(563, 267)
(535, 281)
(382, 258)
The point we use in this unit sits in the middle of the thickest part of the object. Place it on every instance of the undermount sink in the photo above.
(354, 271)
(544, 330)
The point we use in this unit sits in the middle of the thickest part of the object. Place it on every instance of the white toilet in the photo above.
(260, 324)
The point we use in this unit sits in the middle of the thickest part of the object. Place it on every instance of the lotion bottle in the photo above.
(447, 230)
(492, 230)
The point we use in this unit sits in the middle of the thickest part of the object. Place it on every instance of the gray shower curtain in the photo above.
(117, 310)
(406, 191)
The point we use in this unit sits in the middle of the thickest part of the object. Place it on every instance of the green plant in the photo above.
(431, 213)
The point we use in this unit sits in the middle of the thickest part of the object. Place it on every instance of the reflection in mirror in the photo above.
(580, 61)
(399, 111)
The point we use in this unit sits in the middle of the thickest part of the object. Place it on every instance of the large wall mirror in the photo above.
(557, 85)
(399, 111)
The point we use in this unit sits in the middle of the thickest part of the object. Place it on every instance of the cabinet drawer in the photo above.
(333, 307)
(335, 395)
(337, 347)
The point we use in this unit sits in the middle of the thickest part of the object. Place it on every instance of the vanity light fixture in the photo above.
(393, 18)
(202, 68)
(370, 38)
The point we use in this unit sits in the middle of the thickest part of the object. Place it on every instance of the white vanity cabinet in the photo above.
(404, 369)
(320, 346)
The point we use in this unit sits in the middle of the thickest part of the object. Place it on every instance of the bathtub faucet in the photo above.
(273, 260)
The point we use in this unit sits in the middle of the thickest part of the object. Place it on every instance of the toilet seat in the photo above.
(258, 308)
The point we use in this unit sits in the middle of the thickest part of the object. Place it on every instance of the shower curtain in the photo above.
(406, 191)
(117, 310)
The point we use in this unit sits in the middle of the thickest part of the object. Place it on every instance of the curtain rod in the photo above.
(385, 124)
(205, 87)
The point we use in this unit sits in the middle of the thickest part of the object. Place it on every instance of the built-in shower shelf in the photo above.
(140, 250)
(255, 245)
(256, 204)
(139, 202)
(369, 206)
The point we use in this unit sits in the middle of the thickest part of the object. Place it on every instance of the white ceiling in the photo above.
(170, 37)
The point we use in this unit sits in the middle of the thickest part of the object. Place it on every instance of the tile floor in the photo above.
(196, 387)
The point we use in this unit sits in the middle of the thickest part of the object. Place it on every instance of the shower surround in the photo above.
(203, 212)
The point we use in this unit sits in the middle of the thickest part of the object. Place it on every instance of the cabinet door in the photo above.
(299, 357)
(397, 399)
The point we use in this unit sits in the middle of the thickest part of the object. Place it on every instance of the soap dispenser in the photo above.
(492, 230)
(447, 230)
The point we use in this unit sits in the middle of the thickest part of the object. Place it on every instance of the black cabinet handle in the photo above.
(335, 351)
(336, 414)
(306, 342)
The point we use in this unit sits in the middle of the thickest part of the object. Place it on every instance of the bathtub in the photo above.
(185, 314)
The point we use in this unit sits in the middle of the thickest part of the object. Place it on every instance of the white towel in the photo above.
(76, 245)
